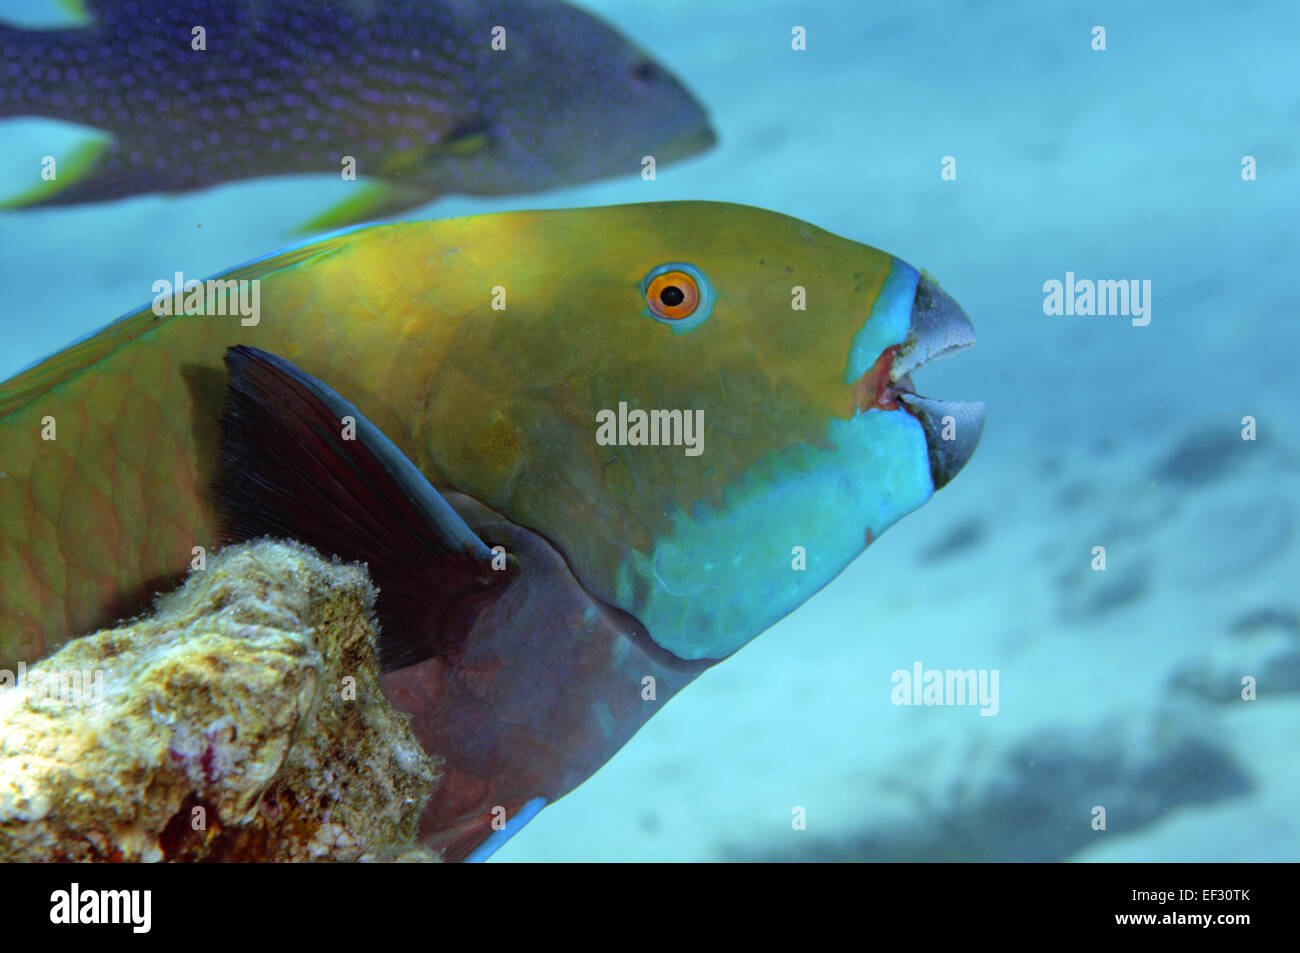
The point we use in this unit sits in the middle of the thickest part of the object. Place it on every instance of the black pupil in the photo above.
(672, 296)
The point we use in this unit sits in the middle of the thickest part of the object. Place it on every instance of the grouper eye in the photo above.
(679, 295)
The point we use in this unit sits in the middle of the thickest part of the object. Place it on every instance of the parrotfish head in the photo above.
(708, 409)
(570, 99)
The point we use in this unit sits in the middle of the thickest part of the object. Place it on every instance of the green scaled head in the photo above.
(707, 408)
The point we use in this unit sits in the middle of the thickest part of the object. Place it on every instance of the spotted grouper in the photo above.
(408, 99)
(586, 454)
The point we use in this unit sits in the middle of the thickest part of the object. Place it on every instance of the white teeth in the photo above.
(939, 328)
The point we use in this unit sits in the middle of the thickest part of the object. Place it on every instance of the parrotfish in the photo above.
(411, 99)
(492, 413)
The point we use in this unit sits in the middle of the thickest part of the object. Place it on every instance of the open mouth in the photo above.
(938, 328)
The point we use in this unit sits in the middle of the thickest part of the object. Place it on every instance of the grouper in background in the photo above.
(412, 90)
(586, 454)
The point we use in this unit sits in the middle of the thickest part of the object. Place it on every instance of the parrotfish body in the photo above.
(412, 90)
(592, 452)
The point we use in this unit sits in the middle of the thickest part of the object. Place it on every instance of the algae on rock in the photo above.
(243, 720)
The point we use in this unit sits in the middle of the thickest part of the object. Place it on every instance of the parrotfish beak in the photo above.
(939, 328)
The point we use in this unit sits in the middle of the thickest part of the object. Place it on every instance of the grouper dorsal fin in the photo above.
(287, 468)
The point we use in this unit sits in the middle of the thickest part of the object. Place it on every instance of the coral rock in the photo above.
(243, 720)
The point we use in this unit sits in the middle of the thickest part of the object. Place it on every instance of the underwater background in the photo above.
(1118, 688)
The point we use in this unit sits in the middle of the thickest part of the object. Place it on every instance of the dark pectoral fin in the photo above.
(287, 468)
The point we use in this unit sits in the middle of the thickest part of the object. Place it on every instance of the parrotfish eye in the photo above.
(673, 296)
(679, 295)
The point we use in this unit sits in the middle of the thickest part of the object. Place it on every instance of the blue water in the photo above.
(1119, 689)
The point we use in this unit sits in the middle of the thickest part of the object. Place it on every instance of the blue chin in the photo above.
(787, 528)
(888, 323)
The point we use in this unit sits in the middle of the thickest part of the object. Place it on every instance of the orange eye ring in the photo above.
(673, 295)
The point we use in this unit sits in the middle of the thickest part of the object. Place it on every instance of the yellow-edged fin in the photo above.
(85, 354)
(369, 201)
(388, 195)
(412, 160)
(464, 146)
(77, 166)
